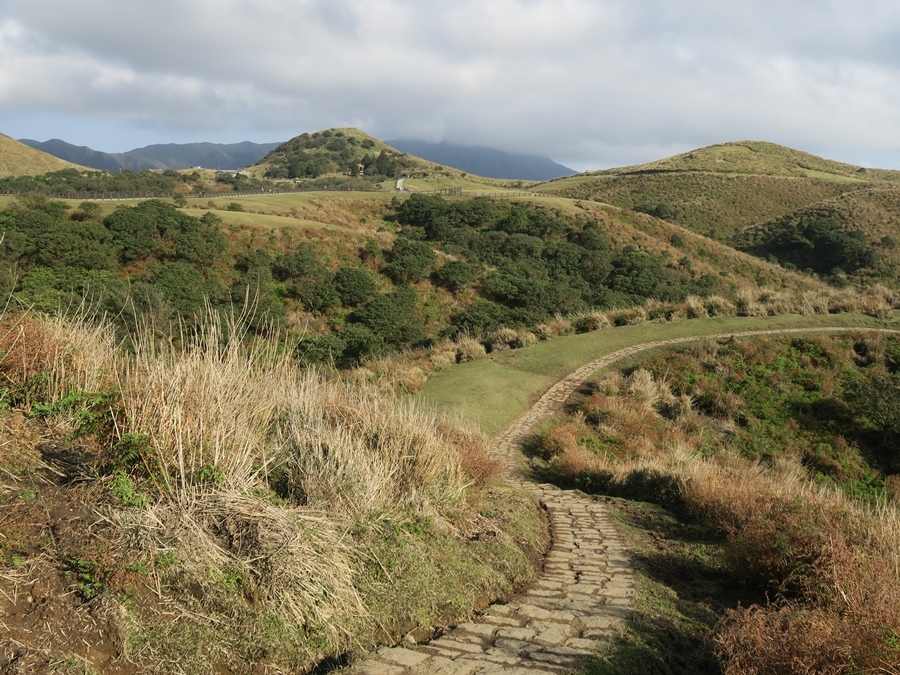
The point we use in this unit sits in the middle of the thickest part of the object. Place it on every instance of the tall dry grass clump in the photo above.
(348, 451)
(45, 358)
(245, 411)
(469, 348)
(558, 325)
(695, 307)
(748, 303)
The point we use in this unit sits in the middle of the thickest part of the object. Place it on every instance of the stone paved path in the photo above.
(586, 589)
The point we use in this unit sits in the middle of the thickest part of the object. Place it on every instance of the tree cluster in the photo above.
(528, 263)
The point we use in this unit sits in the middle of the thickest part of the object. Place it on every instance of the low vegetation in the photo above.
(776, 454)
(280, 517)
(215, 469)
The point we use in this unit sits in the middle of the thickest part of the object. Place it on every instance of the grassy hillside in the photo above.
(853, 234)
(756, 157)
(258, 480)
(723, 189)
(17, 159)
(214, 506)
(758, 483)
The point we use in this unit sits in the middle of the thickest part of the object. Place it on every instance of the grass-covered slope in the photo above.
(769, 543)
(722, 189)
(215, 507)
(17, 159)
(761, 158)
(853, 234)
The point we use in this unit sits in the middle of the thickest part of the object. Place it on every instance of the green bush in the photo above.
(410, 261)
(354, 285)
(392, 317)
(455, 275)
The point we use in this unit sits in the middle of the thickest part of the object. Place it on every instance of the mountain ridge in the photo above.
(484, 161)
(17, 159)
(175, 156)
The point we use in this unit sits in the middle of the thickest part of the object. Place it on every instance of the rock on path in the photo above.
(586, 590)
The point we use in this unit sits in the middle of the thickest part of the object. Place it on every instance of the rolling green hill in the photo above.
(17, 159)
(341, 152)
(723, 189)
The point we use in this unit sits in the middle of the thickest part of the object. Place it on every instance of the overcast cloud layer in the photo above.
(590, 83)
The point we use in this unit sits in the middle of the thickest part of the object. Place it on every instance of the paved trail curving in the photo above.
(586, 589)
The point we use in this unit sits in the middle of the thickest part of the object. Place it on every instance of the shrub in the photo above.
(354, 285)
(455, 275)
(503, 338)
(392, 317)
(182, 286)
(590, 322)
(410, 261)
(469, 349)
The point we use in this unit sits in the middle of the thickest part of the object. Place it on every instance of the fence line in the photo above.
(136, 196)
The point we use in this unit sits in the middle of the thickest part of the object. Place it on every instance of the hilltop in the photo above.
(323, 155)
(746, 193)
(756, 157)
(17, 159)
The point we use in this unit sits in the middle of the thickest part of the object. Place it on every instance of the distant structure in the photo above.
(221, 175)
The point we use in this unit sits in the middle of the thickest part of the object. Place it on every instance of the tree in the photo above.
(456, 275)
(305, 277)
(183, 288)
(354, 285)
(410, 261)
(392, 317)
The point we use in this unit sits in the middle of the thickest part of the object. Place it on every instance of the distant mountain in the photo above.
(161, 156)
(17, 159)
(483, 161)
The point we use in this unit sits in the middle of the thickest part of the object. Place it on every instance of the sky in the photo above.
(590, 83)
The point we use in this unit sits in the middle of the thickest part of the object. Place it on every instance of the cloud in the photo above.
(589, 82)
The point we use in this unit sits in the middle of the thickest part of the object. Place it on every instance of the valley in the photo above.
(284, 432)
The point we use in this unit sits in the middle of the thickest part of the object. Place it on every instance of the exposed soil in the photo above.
(58, 557)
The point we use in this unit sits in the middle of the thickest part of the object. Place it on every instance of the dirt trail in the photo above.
(586, 589)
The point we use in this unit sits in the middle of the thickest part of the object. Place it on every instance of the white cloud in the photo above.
(589, 82)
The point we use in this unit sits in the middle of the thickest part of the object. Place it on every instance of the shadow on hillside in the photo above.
(684, 585)
(684, 590)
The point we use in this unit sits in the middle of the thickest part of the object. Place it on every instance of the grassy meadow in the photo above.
(256, 426)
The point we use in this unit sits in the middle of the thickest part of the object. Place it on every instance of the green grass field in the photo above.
(492, 392)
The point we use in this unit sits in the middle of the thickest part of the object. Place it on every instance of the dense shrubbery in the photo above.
(96, 182)
(507, 263)
(537, 263)
(816, 242)
(332, 151)
(52, 258)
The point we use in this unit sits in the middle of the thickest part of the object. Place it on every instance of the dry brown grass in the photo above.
(558, 325)
(45, 358)
(260, 478)
(298, 564)
(469, 349)
(695, 307)
(245, 409)
(831, 563)
(503, 338)
(19, 438)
